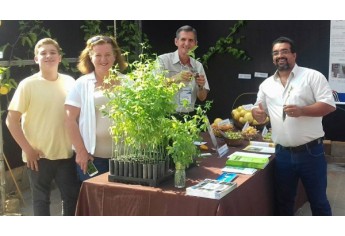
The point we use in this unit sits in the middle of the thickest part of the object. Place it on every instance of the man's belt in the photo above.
(304, 147)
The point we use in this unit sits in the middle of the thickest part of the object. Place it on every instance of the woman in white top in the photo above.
(88, 128)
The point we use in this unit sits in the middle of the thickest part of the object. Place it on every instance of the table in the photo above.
(253, 196)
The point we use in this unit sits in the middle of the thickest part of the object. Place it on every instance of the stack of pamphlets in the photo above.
(246, 159)
(264, 147)
(211, 188)
(240, 170)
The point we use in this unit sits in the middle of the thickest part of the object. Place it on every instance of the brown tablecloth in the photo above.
(254, 195)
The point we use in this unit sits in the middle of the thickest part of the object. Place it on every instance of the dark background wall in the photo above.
(311, 38)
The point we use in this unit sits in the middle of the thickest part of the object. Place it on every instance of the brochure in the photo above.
(211, 188)
(255, 146)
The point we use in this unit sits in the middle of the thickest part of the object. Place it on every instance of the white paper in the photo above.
(260, 75)
(248, 107)
(264, 131)
(199, 143)
(207, 154)
(244, 76)
(256, 149)
(224, 122)
(240, 170)
(223, 150)
(261, 144)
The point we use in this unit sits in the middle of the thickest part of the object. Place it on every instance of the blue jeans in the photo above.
(311, 167)
(65, 176)
(102, 165)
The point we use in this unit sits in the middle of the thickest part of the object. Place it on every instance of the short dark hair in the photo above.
(186, 28)
(283, 39)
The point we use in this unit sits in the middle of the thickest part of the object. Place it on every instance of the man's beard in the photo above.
(282, 67)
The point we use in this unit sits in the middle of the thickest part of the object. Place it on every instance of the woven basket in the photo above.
(233, 142)
(238, 124)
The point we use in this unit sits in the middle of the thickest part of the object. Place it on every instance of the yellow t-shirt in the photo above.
(41, 103)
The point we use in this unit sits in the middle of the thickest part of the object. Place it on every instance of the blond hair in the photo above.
(85, 65)
(46, 41)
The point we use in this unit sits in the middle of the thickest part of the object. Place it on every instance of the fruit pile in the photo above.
(217, 127)
(241, 116)
(250, 133)
(233, 135)
(233, 138)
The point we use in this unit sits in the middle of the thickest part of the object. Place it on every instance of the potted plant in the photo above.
(145, 132)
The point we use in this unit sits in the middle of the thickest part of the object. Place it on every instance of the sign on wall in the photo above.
(336, 75)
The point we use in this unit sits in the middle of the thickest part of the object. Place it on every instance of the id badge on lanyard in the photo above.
(185, 95)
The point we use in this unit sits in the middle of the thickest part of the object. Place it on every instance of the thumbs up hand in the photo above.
(259, 114)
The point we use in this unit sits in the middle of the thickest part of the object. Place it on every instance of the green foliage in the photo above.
(228, 45)
(191, 52)
(184, 133)
(142, 110)
(6, 85)
(130, 38)
(128, 34)
(91, 28)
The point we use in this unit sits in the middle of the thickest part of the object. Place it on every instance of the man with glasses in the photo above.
(296, 98)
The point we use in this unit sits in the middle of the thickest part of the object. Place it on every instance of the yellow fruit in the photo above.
(4, 90)
(242, 121)
(248, 117)
(203, 147)
(217, 120)
(242, 113)
(226, 127)
(216, 130)
(235, 114)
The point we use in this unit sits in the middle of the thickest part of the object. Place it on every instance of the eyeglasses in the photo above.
(99, 38)
(282, 52)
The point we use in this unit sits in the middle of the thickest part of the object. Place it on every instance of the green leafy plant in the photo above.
(228, 45)
(128, 34)
(91, 28)
(142, 110)
(131, 37)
